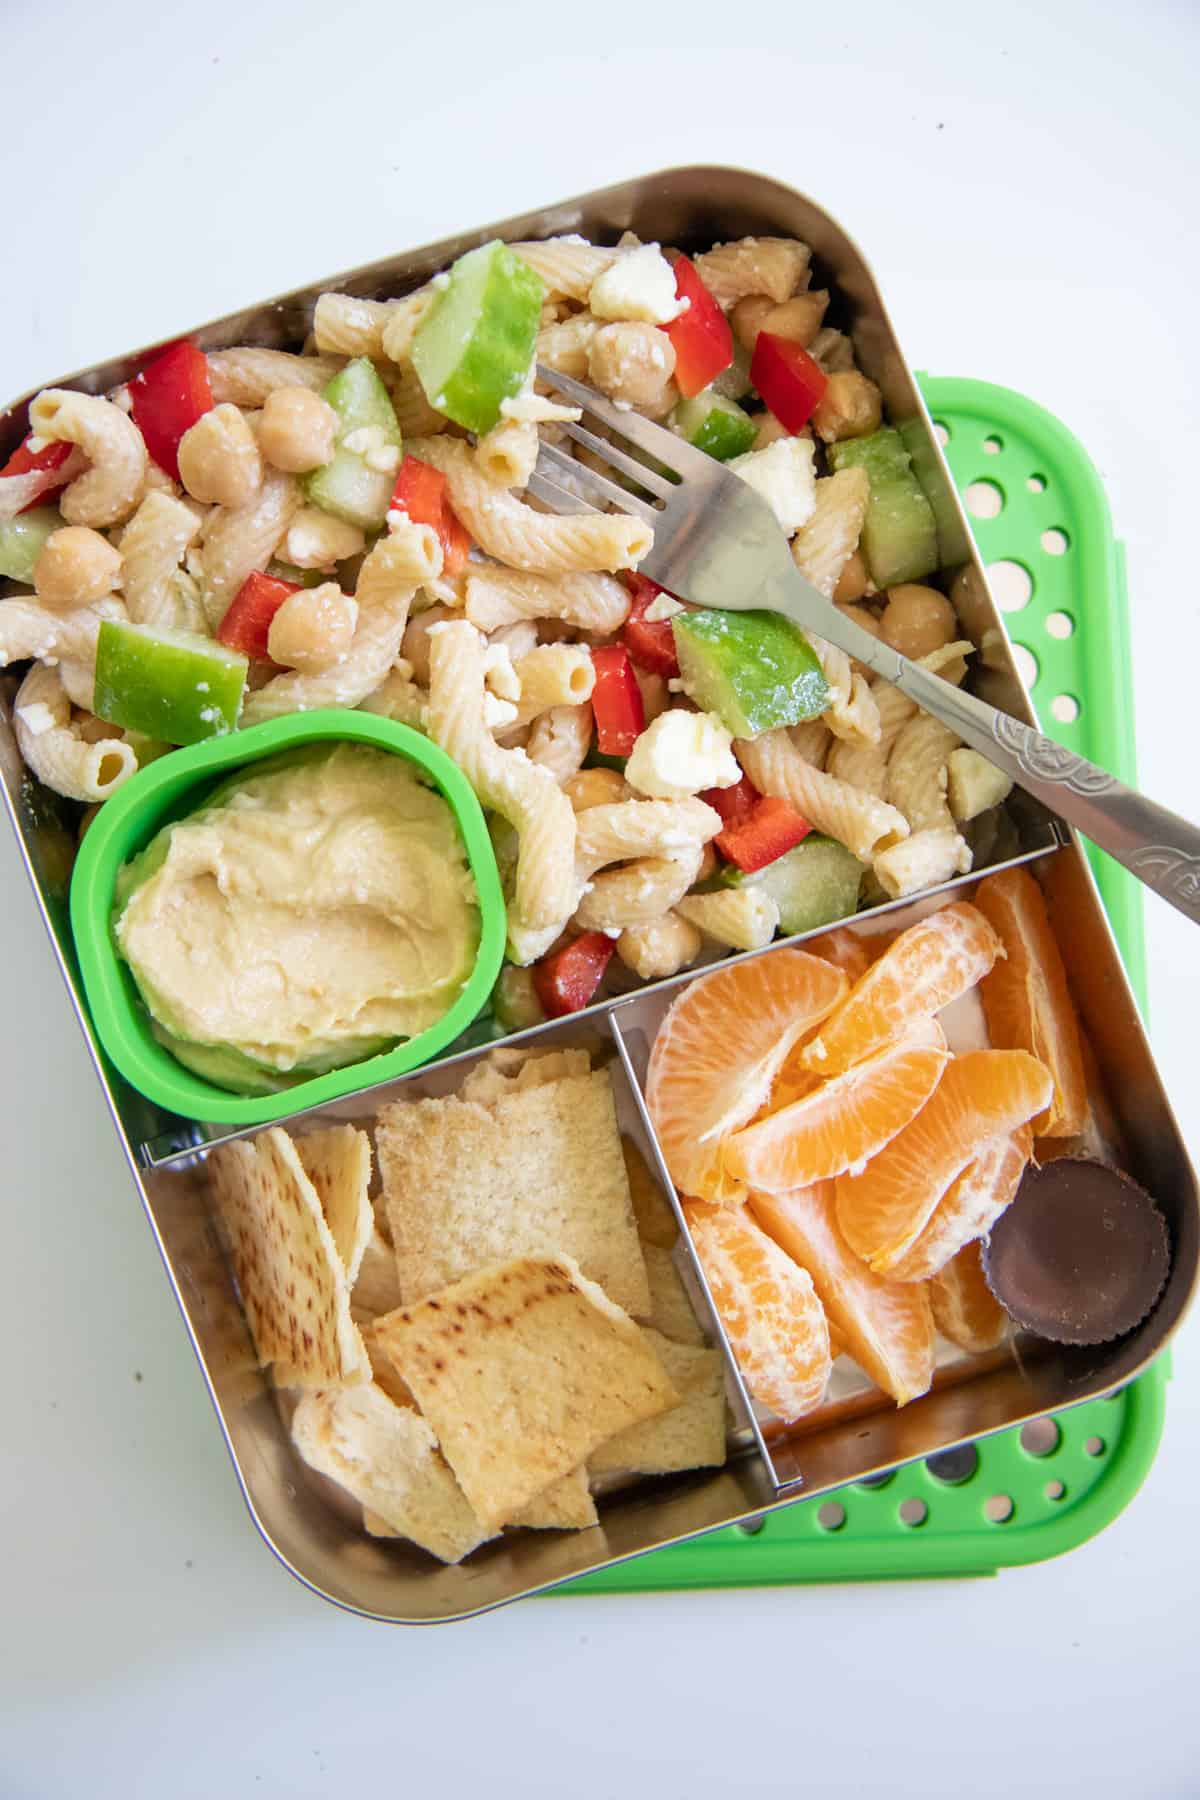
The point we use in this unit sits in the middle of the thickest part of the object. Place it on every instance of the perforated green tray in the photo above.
(1006, 1501)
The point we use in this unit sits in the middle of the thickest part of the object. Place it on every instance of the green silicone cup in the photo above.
(177, 785)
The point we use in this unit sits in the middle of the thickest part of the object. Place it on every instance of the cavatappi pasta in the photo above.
(485, 639)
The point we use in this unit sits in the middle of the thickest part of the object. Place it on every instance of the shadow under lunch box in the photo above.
(312, 1528)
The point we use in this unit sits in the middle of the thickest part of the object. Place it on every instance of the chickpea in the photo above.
(659, 948)
(799, 318)
(917, 620)
(854, 580)
(859, 615)
(297, 430)
(850, 407)
(76, 567)
(313, 628)
(708, 863)
(91, 730)
(747, 318)
(634, 363)
(219, 461)
(596, 787)
(770, 431)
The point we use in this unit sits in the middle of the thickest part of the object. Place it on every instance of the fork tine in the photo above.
(655, 440)
(628, 465)
(555, 497)
(599, 487)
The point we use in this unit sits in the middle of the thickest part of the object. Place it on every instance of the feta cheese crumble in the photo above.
(682, 753)
(783, 474)
(640, 284)
(36, 717)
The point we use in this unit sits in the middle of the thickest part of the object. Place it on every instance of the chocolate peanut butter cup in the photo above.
(1081, 1255)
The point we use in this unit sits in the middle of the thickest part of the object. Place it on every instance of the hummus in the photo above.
(319, 908)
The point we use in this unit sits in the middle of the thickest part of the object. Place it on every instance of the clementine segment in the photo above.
(718, 1051)
(773, 1319)
(971, 1205)
(1026, 998)
(845, 949)
(886, 1326)
(840, 1123)
(924, 969)
(965, 1310)
(883, 1210)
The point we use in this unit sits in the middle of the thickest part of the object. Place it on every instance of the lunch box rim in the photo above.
(592, 211)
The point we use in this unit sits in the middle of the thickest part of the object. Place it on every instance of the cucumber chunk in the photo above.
(753, 669)
(474, 346)
(23, 539)
(710, 422)
(734, 383)
(175, 686)
(899, 536)
(815, 884)
(348, 487)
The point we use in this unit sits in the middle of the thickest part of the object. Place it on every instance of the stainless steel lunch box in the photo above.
(304, 1520)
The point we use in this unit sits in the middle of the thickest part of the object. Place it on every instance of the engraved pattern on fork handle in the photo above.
(1046, 760)
(1172, 873)
(1159, 847)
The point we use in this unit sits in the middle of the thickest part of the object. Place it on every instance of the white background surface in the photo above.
(1025, 188)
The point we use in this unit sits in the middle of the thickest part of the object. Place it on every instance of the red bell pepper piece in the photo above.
(651, 643)
(47, 462)
(735, 804)
(616, 701)
(420, 491)
(566, 980)
(788, 379)
(168, 396)
(772, 828)
(247, 624)
(700, 337)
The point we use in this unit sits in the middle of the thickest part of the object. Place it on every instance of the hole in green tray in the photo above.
(831, 1516)
(1055, 542)
(1011, 584)
(1064, 708)
(875, 1481)
(941, 431)
(1036, 484)
(1055, 1490)
(985, 500)
(998, 1508)
(954, 1466)
(913, 1512)
(993, 445)
(1027, 665)
(1060, 624)
(752, 1527)
(1040, 1437)
(1095, 1446)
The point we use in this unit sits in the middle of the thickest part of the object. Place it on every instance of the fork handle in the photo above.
(1159, 847)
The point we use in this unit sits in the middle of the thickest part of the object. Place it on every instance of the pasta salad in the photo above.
(233, 536)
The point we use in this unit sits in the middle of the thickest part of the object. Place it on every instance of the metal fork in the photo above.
(718, 544)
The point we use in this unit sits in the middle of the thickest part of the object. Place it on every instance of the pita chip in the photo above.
(293, 1283)
(522, 1370)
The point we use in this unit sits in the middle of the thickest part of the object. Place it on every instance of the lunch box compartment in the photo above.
(321, 1542)
(313, 1526)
